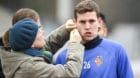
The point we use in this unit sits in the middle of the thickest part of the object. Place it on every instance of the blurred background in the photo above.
(122, 16)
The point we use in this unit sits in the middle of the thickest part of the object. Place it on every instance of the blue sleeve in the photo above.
(61, 58)
(124, 69)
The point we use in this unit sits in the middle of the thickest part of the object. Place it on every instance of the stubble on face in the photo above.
(87, 24)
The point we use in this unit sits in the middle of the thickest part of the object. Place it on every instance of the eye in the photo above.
(91, 21)
(83, 22)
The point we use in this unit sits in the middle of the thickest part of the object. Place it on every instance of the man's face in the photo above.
(87, 25)
(39, 41)
(40, 38)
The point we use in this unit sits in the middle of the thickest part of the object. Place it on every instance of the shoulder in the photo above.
(112, 43)
(32, 65)
(32, 61)
(112, 46)
(115, 46)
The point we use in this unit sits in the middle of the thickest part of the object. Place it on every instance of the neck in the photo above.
(93, 43)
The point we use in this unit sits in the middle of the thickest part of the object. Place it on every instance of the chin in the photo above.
(88, 38)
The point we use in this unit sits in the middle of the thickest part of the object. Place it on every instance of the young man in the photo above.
(103, 58)
(27, 59)
(52, 41)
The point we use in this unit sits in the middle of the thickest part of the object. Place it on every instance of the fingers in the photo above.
(69, 22)
(75, 36)
(70, 25)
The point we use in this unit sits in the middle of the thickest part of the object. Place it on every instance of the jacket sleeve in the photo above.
(71, 69)
(124, 69)
(56, 39)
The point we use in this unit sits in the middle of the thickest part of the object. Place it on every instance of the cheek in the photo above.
(41, 39)
(79, 28)
(81, 31)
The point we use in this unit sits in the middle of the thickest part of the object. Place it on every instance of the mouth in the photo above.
(88, 34)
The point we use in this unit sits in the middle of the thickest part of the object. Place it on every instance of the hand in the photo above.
(75, 36)
(70, 25)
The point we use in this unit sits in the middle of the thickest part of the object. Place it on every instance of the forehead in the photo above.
(87, 15)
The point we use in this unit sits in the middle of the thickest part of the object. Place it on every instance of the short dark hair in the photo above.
(102, 16)
(25, 13)
(86, 6)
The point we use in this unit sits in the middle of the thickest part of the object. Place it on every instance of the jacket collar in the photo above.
(40, 53)
(93, 43)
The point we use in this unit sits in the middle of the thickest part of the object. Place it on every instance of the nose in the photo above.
(87, 25)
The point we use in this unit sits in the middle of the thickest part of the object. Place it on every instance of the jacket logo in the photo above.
(98, 61)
